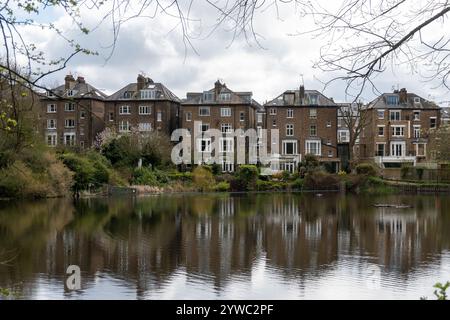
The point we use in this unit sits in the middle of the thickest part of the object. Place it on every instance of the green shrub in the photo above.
(297, 184)
(419, 172)
(245, 178)
(144, 176)
(262, 185)
(319, 180)
(366, 169)
(203, 178)
(222, 186)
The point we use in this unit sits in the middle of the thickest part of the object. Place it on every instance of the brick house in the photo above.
(144, 105)
(72, 114)
(397, 128)
(222, 109)
(307, 124)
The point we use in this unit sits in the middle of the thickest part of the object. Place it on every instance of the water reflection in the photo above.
(222, 246)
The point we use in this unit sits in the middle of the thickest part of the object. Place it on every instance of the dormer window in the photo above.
(392, 100)
(148, 94)
(225, 96)
(127, 95)
(417, 100)
(50, 94)
(313, 99)
(208, 96)
(71, 93)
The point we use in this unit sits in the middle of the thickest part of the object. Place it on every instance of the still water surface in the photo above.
(217, 246)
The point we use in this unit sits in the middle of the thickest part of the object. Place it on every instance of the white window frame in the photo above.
(289, 130)
(52, 108)
(392, 112)
(229, 145)
(273, 111)
(148, 94)
(72, 141)
(201, 127)
(416, 112)
(145, 126)
(380, 114)
(188, 116)
(159, 116)
(227, 166)
(416, 129)
(67, 123)
(295, 147)
(51, 121)
(384, 148)
(69, 107)
(124, 126)
(309, 143)
(145, 110)
(225, 96)
(226, 128)
(208, 145)
(435, 122)
(206, 114)
(124, 110)
(241, 116)
(313, 113)
(225, 112)
(401, 132)
(259, 117)
(54, 139)
(315, 130)
(290, 113)
(393, 152)
(378, 130)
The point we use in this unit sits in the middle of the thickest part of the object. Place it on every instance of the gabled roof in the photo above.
(163, 93)
(410, 103)
(80, 90)
(292, 98)
(243, 97)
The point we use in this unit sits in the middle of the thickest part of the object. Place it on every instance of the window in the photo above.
(111, 116)
(433, 122)
(416, 131)
(71, 93)
(274, 122)
(188, 116)
(225, 112)
(145, 110)
(394, 115)
(380, 114)
(208, 96)
(416, 100)
(259, 117)
(398, 131)
(159, 116)
(124, 110)
(289, 147)
(313, 113)
(204, 145)
(259, 131)
(420, 150)
(52, 139)
(380, 150)
(328, 124)
(289, 130)
(328, 142)
(203, 127)
(392, 100)
(69, 138)
(127, 95)
(203, 111)
(148, 94)
(51, 108)
(313, 130)
(82, 114)
(69, 107)
(380, 131)
(343, 136)
(69, 123)
(242, 116)
(288, 166)
(226, 145)
(398, 149)
(225, 96)
(145, 126)
(227, 166)
(416, 116)
(330, 153)
(124, 126)
(273, 111)
(314, 99)
(226, 128)
(290, 113)
(50, 94)
(313, 147)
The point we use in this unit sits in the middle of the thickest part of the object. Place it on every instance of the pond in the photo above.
(227, 246)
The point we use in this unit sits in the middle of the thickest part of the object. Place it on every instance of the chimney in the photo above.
(69, 82)
(140, 82)
(81, 80)
(403, 96)
(301, 94)
(217, 89)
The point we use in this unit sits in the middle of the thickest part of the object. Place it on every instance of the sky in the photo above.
(155, 47)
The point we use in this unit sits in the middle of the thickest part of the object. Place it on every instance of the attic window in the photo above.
(225, 96)
(313, 98)
(416, 100)
(208, 96)
(71, 93)
(127, 95)
(50, 94)
(392, 100)
(148, 94)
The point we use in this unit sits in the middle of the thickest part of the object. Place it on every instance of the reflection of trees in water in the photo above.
(146, 240)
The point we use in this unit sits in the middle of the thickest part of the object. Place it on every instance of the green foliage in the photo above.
(245, 178)
(366, 169)
(122, 151)
(144, 176)
(441, 290)
(216, 169)
(320, 180)
(419, 172)
(297, 184)
(222, 186)
(203, 178)
(308, 164)
(262, 185)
